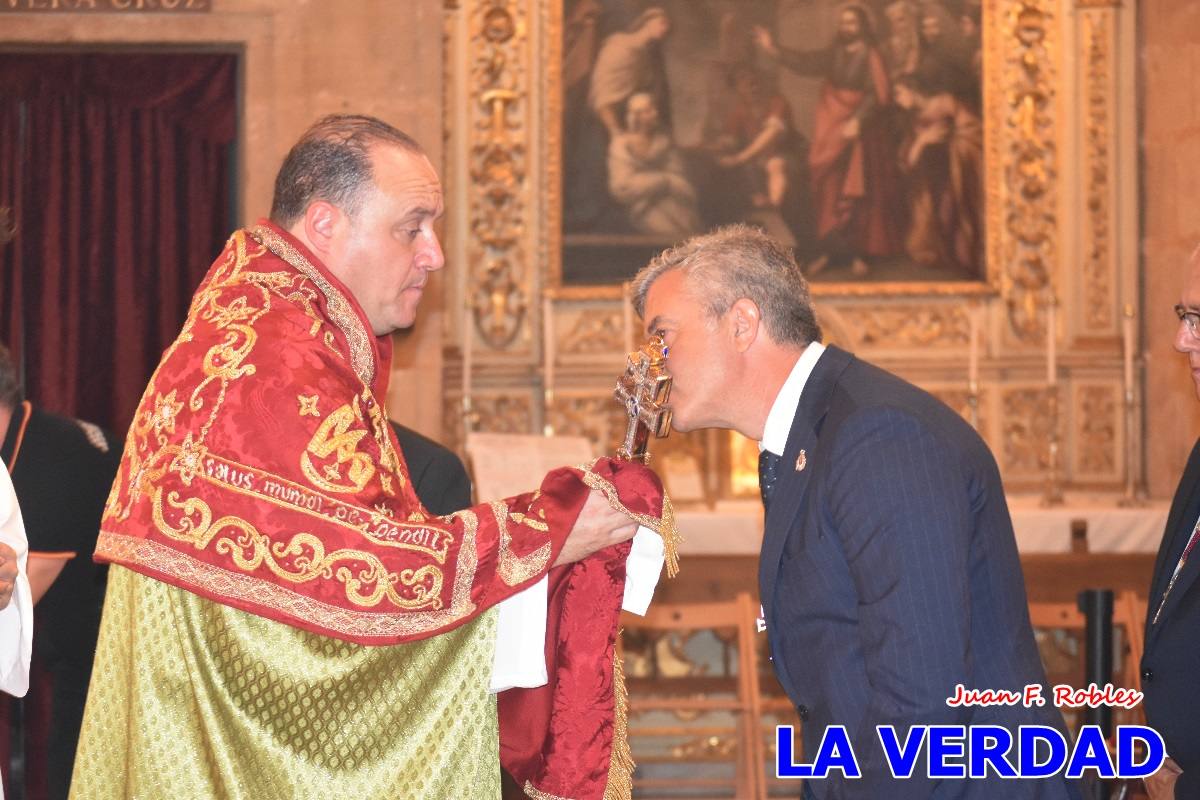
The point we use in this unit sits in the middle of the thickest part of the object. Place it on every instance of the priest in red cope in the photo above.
(283, 617)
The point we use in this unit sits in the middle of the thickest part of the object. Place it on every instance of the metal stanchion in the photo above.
(1097, 608)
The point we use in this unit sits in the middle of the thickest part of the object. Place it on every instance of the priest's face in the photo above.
(700, 358)
(1187, 341)
(388, 248)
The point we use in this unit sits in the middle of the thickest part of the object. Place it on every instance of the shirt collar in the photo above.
(783, 411)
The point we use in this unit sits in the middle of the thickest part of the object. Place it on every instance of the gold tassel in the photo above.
(670, 536)
(621, 764)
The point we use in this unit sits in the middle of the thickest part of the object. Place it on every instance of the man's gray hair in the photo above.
(734, 262)
(332, 162)
(10, 381)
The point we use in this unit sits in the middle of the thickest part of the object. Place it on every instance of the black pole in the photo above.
(1097, 608)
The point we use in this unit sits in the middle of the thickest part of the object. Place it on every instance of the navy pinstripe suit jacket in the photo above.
(889, 574)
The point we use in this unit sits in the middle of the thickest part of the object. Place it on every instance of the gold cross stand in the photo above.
(643, 390)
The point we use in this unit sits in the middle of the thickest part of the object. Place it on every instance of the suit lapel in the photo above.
(794, 474)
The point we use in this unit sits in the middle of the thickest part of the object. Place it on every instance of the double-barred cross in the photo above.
(643, 390)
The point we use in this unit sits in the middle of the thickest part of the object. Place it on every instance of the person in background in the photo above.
(62, 470)
(16, 604)
(1172, 650)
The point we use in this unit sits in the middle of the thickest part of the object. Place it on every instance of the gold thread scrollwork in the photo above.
(511, 568)
(334, 437)
(300, 559)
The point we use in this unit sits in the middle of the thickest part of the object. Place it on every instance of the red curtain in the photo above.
(118, 169)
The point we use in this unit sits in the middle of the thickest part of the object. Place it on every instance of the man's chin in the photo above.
(681, 423)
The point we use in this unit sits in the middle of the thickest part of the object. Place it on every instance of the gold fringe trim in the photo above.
(537, 794)
(621, 765)
(664, 526)
(670, 536)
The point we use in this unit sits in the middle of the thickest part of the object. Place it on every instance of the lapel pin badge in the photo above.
(801, 461)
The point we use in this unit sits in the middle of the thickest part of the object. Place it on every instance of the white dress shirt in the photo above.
(783, 410)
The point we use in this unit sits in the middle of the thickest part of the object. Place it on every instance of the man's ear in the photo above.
(320, 222)
(745, 320)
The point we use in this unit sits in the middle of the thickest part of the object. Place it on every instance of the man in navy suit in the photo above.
(889, 571)
(1172, 650)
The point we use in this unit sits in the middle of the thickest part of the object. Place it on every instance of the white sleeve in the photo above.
(642, 568)
(520, 655)
(16, 620)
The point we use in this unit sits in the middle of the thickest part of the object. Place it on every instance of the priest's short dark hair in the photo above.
(332, 162)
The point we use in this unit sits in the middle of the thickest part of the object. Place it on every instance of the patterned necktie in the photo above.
(1178, 569)
(768, 463)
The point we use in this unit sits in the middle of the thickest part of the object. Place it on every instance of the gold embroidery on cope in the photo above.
(375, 526)
(362, 357)
(511, 568)
(190, 571)
(308, 405)
(334, 437)
(300, 559)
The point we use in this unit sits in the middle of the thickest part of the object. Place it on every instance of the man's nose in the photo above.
(435, 258)
(1185, 342)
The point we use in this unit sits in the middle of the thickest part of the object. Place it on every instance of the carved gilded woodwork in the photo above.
(1097, 282)
(910, 325)
(594, 330)
(504, 413)
(1025, 430)
(596, 417)
(1098, 410)
(1023, 208)
(498, 185)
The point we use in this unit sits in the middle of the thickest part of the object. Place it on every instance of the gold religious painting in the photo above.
(851, 131)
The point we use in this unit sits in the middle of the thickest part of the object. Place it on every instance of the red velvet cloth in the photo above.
(118, 168)
(559, 737)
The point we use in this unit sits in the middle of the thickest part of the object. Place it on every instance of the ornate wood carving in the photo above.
(497, 295)
(505, 413)
(595, 330)
(1025, 211)
(1097, 282)
(1096, 448)
(1026, 430)
(901, 326)
(598, 417)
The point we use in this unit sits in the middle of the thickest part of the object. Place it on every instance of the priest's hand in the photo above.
(598, 526)
(8, 573)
